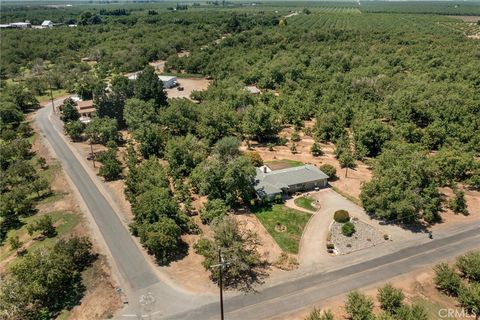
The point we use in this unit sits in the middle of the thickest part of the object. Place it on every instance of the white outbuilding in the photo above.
(47, 24)
(168, 81)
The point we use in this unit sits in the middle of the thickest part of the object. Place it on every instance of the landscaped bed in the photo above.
(306, 203)
(365, 236)
(285, 225)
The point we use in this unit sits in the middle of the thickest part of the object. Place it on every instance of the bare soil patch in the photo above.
(189, 85)
(467, 18)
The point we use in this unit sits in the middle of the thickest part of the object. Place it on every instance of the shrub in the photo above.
(446, 279)
(295, 137)
(15, 242)
(341, 216)
(348, 229)
(469, 265)
(316, 150)
(44, 224)
(329, 170)
(317, 314)
(469, 298)
(359, 306)
(390, 298)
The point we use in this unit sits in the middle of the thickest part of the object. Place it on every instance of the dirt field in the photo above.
(189, 85)
(418, 287)
(467, 18)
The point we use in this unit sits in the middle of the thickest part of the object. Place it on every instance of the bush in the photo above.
(359, 306)
(469, 298)
(341, 216)
(317, 314)
(329, 170)
(469, 266)
(15, 242)
(348, 229)
(44, 225)
(446, 279)
(390, 298)
(295, 137)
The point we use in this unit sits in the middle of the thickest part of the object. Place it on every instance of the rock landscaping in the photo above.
(365, 236)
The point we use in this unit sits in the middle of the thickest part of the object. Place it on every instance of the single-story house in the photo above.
(271, 183)
(47, 24)
(168, 81)
(86, 108)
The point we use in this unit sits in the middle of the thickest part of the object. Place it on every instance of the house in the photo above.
(272, 183)
(86, 108)
(47, 24)
(168, 81)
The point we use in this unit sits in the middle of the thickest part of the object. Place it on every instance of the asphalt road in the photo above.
(269, 302)
(137, 275)
(304, 292)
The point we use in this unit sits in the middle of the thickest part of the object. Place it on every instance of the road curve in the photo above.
(133, 268)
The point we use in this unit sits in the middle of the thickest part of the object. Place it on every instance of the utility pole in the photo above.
(221, 264)
(93, 154)
(51, 97)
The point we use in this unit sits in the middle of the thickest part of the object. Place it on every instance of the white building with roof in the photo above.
(271, 183)
(47, 24)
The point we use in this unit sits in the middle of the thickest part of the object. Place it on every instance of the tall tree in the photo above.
(149, 87)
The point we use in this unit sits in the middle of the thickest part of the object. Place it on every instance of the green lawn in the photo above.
(293, 220)
(64, 222)
(306, 203)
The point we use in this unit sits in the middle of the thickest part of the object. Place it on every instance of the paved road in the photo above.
(304, 292)
(135, 271)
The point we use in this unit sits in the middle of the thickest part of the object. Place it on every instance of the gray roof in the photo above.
(274, 181)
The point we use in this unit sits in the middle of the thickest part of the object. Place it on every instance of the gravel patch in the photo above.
(365, 236)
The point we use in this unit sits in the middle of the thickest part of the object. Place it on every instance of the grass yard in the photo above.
(64, 222)
(293, 220)
(306, 203)
(283, 164)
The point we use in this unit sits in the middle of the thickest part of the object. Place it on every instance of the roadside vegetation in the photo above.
(461, 281)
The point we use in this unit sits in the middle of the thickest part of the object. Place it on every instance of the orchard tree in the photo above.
(111, 106)
(69, 111)
(111, 168)
(227, 148)
(153, 204)
(214, 210)
(469, 298)
(469, 265)
(347, 161)
(184, 154)
(102, 130)
(138, 113)
(162, 239)
(316, 150)
(149, 87)
(458, 203)
(390, 298)
(260, 122)
(359, 306)
(43, 224)
(74, 130)
(446, 279)
(236, 246)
